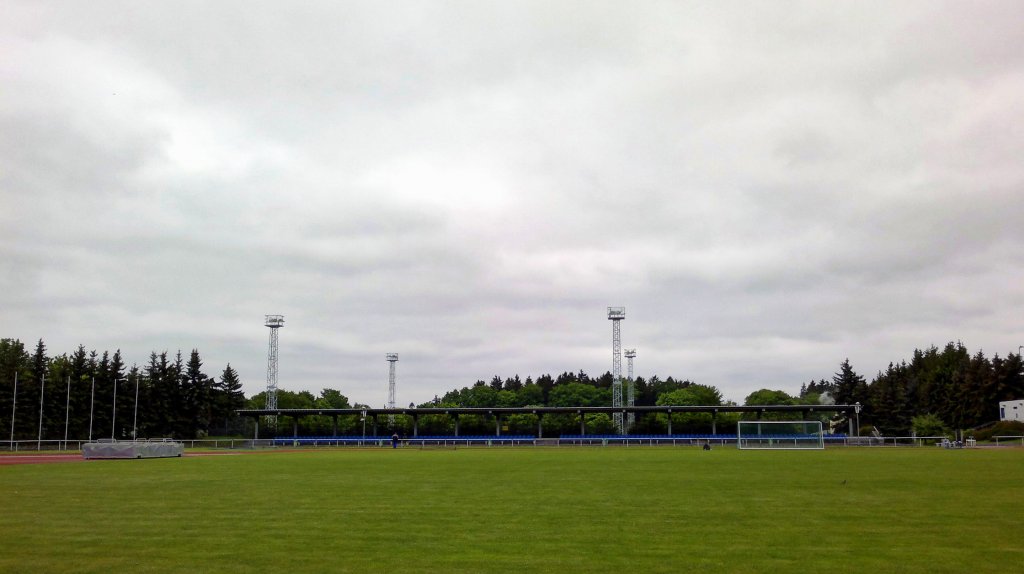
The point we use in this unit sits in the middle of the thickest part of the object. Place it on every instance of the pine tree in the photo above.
(230, 395)
(850, 388)
(163, 389)
(974, 405)
(513, 384)
(849, 385)
(40, 362)
(1009, 380)
(115, 380)
(197, 394)
(29, 390)
(889, 402)
(14, 361)
(182, 422)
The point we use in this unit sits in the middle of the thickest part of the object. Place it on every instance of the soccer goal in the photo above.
(779, 435)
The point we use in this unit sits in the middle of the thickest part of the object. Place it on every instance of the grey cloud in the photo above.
(768, 189)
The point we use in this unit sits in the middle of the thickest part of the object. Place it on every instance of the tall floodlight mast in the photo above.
(392, 359)
(616, 314)
(630, 390)
(275, 322)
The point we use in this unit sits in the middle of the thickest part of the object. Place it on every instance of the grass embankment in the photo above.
(521, 510)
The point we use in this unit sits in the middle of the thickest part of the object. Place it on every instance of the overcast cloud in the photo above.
(767, 187)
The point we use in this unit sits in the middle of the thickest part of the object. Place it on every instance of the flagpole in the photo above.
(92, 403)
(14, 405)
(67, 413)
(42, 387)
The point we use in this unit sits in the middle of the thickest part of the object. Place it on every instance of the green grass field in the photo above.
(521, 510)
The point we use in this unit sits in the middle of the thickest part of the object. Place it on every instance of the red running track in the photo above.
(48, 458)
(39, 458)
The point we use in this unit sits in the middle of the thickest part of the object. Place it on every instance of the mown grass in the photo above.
(520, 510)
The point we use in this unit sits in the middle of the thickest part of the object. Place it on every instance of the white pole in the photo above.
(39, 439)
(92, 403)
(13, 407)
(136, 419)
(113, 417)
(67, 413)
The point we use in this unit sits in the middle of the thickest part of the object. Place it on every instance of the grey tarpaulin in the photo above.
(132, 449)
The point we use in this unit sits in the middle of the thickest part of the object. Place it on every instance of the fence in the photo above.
(1007, 438)
(568, 440)
(891, 441)
(76, 445)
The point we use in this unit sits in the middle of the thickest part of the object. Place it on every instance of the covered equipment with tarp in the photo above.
(132, 449)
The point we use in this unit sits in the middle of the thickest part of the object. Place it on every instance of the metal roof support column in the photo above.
(456, 425)
(415, 425)
(583, 423)
(256, 430)
(497, 425)
(540, 429)
(295, 425)
(670, 421)
(334, 426)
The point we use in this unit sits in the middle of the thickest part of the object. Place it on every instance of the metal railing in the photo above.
(891, 441)
(383, 442)
(42, 445)
(1007, 438)
(76, 445)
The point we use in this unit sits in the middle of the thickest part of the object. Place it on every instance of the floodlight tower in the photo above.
(275, 322)
(630, 389)
(616, 314)
(392, 359)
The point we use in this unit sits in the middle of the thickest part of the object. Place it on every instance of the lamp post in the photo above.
(42, 387)
(113, 417)
(856, 408)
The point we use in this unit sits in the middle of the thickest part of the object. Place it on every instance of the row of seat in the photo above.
(691, 436)
(647, 437)
(310, 439)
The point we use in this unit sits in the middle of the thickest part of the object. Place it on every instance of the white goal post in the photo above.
(779, 435)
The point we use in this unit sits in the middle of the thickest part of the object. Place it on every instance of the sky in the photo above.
(768, 188)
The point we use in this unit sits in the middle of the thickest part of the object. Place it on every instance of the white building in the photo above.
(1011, 410)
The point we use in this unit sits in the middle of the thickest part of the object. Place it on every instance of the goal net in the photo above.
(779, 435)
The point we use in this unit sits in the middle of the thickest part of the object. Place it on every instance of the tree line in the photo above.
(937, 390)
(572, 389)
(85, 394)
(948, 388)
